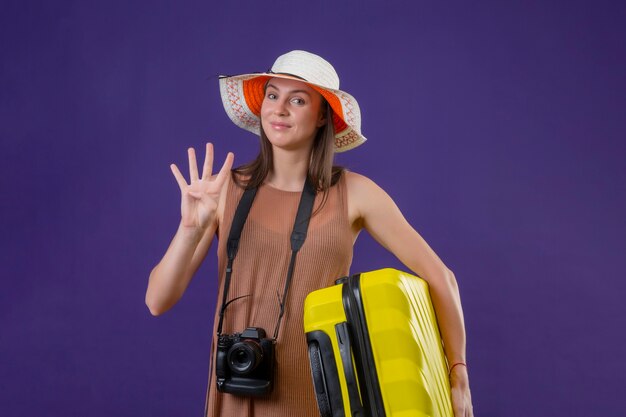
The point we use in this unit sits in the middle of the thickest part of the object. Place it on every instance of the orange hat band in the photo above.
(253, 93)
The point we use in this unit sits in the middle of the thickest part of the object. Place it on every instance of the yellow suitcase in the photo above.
(375, 348)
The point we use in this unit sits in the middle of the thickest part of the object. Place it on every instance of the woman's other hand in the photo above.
(461, 396)
(200, 198)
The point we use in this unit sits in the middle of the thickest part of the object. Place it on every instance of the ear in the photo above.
(321, 119)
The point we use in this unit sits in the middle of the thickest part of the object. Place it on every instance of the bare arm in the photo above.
(201, 207)
(376, 211)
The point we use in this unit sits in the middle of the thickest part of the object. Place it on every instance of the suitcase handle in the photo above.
(345, 351)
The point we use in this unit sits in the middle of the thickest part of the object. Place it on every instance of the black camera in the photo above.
(244, 363)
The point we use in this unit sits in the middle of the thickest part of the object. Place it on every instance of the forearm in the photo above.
(170, 277)
(447, 304)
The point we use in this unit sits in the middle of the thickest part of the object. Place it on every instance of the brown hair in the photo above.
(322, 173)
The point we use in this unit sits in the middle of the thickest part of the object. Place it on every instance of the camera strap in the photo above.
(298, 236)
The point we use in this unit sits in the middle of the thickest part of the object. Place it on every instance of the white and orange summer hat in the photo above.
(242, 95)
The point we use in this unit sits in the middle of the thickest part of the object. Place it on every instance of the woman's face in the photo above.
(291, 113)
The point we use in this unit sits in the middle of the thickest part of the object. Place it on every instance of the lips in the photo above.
(280, 125)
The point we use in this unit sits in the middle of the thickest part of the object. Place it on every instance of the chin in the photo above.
(285, 143)
(285, 146)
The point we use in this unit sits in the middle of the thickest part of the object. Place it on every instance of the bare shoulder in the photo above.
(359, 183)
(361, 187)
(362, 192)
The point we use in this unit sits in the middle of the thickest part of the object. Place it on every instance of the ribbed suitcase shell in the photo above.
(385, 322)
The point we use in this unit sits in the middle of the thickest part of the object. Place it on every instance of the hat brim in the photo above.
(242, 96)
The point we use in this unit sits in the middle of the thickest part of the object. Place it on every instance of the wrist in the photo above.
(191, 233)
(458, 374)
(456, 364)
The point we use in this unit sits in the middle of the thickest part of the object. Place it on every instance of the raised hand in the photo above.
(200, 198)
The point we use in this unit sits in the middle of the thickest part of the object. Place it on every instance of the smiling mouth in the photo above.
(280, 126)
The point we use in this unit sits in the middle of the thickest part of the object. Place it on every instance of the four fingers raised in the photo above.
(207, 168)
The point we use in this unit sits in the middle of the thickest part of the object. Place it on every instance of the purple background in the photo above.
(498, 128)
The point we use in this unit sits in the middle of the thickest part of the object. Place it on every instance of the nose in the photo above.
(280, 109)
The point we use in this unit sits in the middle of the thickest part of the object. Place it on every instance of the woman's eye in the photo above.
(298, 101)
(271, 96)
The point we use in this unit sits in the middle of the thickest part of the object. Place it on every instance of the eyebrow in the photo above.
(290, 91)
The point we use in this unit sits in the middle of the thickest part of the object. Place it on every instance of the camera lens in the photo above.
(244, 357)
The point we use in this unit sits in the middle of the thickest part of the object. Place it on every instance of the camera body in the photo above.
(244, 363)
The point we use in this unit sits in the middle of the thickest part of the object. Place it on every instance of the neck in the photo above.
(290, 169)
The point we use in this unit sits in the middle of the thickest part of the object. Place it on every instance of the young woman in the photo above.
(302, 118)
